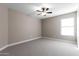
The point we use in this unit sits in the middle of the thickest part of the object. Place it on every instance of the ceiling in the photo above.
(56, 8)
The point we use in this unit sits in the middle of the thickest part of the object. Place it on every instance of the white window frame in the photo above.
(67, 26)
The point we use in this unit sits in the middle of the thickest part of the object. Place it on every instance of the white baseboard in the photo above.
(55, 39)
(12, 44)
(50, 38)
(4, 47)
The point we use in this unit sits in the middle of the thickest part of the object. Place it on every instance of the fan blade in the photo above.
(47, 9)
(43, 9)
(38, 11)
(49, 12)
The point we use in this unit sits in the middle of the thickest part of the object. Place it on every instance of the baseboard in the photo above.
(55, 39)
(12, 44)
(4, 47)
(50, 38)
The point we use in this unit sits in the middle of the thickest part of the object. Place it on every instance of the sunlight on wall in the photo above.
(67, 26)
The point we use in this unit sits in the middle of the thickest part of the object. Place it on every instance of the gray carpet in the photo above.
(42, 47)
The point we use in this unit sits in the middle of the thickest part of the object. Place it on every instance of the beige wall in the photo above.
(3, 26)
(22, 27)
(52, 28)
(16, 26)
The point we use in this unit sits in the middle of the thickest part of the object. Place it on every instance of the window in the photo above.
(67, 26)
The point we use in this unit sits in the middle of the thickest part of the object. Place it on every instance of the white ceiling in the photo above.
(56, 8)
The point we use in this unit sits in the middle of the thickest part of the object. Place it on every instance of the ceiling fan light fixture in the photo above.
(43, 14)
(44, 11)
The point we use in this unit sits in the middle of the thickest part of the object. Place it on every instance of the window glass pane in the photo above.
(67, 31)
(67, 22)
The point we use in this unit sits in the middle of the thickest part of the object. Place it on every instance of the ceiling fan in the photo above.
(44, 11)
